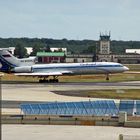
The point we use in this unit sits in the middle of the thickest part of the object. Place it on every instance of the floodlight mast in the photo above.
(1, 106)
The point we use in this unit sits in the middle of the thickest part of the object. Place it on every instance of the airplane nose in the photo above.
(126, 68)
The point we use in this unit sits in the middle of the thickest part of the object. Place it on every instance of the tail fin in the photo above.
(8, 61)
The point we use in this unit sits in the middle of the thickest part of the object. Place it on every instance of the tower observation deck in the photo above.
(104, 43)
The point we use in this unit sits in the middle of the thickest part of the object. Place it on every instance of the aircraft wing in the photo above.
(41, 74)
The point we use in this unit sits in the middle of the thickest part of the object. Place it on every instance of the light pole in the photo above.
(0, 107)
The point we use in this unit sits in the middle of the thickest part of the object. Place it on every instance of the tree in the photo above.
(47, 48)
(90, 49)
(20, 51)
(35, 49)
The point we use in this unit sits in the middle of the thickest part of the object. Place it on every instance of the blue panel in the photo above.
(88, 108)
(138, 107)
(96, 108)
(127, 106)
(26, 108)
(112, 109)
(71, 108)
(35, 108)
(45, 108)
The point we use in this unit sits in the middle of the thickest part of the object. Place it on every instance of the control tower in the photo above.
(104, 43)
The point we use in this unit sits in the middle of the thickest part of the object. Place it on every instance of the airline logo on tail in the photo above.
(8, 61)
(4, 65)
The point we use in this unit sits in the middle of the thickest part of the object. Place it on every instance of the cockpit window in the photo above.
(120, 65)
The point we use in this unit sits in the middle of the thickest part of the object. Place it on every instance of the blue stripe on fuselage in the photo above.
(80, 66)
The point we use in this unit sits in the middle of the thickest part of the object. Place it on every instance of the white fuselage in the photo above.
(81, 68)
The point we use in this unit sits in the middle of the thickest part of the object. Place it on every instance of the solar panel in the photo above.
(127, 106)
(138, 107)
(96, 108)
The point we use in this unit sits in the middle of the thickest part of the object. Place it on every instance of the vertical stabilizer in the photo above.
(8, 61)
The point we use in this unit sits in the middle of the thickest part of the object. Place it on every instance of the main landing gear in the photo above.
(48, 81)
(54, 80)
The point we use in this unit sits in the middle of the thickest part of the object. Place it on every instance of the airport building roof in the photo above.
(57, 54)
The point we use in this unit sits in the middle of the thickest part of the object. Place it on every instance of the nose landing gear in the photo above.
(107, 77)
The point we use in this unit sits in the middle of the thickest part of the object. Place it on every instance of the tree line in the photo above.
(73, 46)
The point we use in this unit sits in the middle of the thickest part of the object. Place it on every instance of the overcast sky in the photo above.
(71, 19)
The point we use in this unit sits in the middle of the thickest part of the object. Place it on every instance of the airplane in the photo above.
(28, 67)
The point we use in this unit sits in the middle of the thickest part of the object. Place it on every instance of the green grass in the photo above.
(81, 78)
(101, 78)
(133, 67)
(12, 77)
(113, 93)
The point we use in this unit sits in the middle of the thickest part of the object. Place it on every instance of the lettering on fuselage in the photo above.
(87, 64)
(24, 61)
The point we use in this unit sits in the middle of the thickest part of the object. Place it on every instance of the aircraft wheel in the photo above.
(40, 81)
(53, 80)
(49, 80)
(43, 81)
